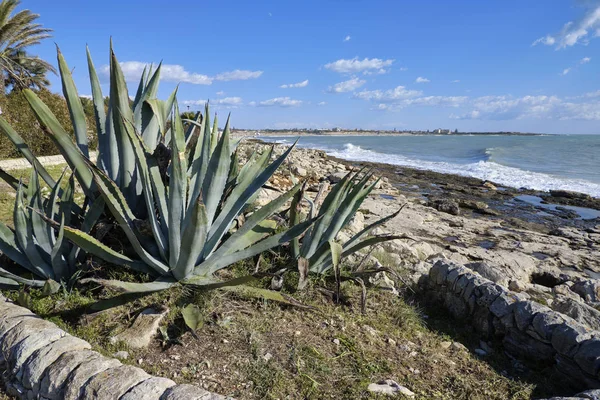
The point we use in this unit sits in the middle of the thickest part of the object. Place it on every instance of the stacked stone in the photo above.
(41, 361)
(527, 329)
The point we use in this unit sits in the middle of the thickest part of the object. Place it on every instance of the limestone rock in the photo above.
(567, 338)
(150, 389)
(85, 371)
(190, 392)
(41, 359)
(27, 337)
(113, 383)
(143, 329)
(588, 356)
(588, 289)
(445, 205)
(55, 377)
(300, 171)
(389, 387)
(579, 311)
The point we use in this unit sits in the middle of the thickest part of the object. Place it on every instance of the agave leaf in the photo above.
(372, 226)
(7, 283)
(177, 188)
(10, 277)
(235, 242)
(24, 236)
(217, 173)
(51, 208)
(8, 178)
(200, 159)
(192, 316)
(261, 293)
(58, 261)
(192, 243)
(214, 136)
(50, 287)
(116, 301)
(133, 287)
(369, 241)
(328, 209)
(348, 207)
(120, 210)
(22, 147)
(74, 105)
(142, 163)
(10, 248)
(240, 195)
(119, 100)
(146, 121)
(140, 88)
(214, 264)
(40, 229)
(336, 253)
(61, 138)
(257, 233)
(108, 152)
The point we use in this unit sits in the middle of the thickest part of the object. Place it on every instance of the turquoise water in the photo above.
(570, 162)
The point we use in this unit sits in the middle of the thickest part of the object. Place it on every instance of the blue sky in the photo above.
(468, 65)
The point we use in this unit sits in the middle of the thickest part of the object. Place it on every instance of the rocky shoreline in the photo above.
(551, 256)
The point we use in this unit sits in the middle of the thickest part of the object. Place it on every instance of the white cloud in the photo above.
(238, 75)
(398, 93)
(132, 71)
(546, 107)
(347, 86)
(580, 31)
(295, 85)
(220, 93)
(279, 101)
(456, 81)
(321, 103)
(584, 60)
(355, 65)
(420, 79)
(347, 38)
(227, 102)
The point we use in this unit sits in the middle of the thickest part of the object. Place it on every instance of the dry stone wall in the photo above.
(41, 361)
(528, 330)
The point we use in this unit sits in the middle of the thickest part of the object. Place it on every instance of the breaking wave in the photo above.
(483, 168)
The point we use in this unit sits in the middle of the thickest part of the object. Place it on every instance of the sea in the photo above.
(540, 162)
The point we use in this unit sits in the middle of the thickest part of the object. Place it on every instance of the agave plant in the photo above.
(189, 237)
(41, 254)
(318, 251)
(116, 156)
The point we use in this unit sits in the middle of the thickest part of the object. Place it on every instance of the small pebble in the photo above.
(336, 341)
(122, 355)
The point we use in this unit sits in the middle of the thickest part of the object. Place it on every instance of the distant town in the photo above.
(370, 132)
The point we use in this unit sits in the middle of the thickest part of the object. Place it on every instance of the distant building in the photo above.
(441, 131)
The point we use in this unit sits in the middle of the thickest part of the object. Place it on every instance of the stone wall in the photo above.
(39, 360)
(528, 330)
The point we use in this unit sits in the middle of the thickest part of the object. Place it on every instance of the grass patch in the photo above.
(257, 349)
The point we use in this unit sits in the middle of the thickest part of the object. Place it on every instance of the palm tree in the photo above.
(17, 32)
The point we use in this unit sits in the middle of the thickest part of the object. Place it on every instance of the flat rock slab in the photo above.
(54, 379)
(41, 359)
(144, 328)
(113, 383)
(150, 389)
(190, 392)
(86, 370)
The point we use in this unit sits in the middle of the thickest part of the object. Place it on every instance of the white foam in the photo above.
(486, 170)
